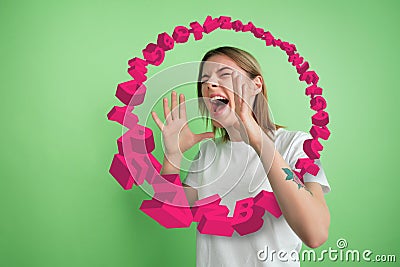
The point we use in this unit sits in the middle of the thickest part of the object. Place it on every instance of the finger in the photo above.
(236, 83)
(233, 77)
(157, 120)
(240, 93)
(241, 82)
(182, 107)
(167, 112)
(246, 98)
(174, 106)
(236, 96)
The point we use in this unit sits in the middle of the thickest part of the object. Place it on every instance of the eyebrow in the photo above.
(221, 69)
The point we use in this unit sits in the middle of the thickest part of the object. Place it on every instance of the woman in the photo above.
(252, 154)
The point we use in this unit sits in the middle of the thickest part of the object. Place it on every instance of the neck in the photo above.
(234, 135)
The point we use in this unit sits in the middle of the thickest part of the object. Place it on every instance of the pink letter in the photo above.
(309, 77)
(140, 139)
(167, 215)
(118, 114)
(308, 165)
(268, 38)
(288, 48)
(131, 93)
(197, 30)
(313, 90)
(137, 74)
(320, 132)
(295, 59)
(276, 42)
(317, 103)
(210, 24)
(156, 164)
(215, 222)
(248, 27)
(153, 54)
(237, 25)
(302, 68)
(165, 41)
(138, 64)
(247, 217)
(142, 167)
(320, 118)
(225, 22)
(119, 170)
(201, 206)
(212, 216)
(181, 34)
(267, 201)
(258, 32)
(168, 188)
(312, 147)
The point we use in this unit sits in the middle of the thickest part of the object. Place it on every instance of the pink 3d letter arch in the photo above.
(135, 165)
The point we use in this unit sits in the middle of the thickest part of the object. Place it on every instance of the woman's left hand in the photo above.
(244, 92)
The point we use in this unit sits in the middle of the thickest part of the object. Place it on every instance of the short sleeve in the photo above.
(296, 151)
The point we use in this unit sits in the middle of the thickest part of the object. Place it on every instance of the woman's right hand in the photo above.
(177, 135)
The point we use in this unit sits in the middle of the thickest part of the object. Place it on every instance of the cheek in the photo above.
(231, 97)
(227, 83)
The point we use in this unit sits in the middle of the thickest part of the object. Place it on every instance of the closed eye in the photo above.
(225, 74)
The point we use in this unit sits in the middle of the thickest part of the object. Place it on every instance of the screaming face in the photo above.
(217, 89)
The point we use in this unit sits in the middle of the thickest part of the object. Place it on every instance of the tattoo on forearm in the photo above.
(292, 177)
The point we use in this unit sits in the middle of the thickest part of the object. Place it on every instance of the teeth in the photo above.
(218, 98)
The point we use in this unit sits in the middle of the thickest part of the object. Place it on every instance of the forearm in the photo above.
(303, 208)
(171, 164)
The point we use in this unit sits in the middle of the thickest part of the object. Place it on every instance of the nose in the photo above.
(212, 85)
(212, 82)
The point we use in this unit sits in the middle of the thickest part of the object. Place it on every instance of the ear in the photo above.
(258, 81)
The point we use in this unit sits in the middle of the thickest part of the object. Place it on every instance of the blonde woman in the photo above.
(251, 154)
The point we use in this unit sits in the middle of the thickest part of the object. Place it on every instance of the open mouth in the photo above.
(218, 103)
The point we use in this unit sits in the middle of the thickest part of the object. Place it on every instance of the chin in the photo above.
(225, 124)
(224, 121)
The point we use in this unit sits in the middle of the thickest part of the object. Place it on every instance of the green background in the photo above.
(61, 62)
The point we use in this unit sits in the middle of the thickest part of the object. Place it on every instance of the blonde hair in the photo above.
(250, 65)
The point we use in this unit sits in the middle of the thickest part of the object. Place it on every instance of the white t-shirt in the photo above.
(234, 171)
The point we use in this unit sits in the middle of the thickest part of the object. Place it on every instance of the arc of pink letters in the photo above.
(169, 206)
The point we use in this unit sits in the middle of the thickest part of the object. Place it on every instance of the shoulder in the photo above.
(286, 138)
(290, 144)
